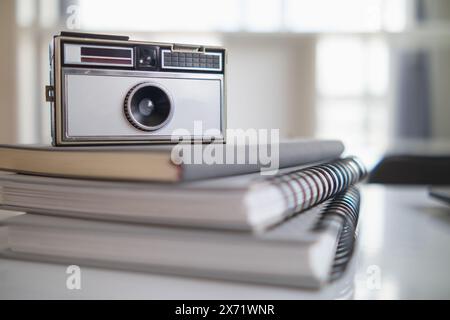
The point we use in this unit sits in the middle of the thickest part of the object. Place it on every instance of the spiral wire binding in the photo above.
(333, 181)
(345, 209)
(308, 187)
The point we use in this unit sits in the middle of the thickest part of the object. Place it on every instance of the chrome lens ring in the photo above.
(148, 106)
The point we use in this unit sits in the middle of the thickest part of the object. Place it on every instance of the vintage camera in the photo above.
(112, 90)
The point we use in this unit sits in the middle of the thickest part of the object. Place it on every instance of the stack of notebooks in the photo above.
(132, 208)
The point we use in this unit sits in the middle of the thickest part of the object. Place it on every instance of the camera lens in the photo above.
(148, 107)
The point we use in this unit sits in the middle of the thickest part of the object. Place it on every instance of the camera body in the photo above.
(112, 90)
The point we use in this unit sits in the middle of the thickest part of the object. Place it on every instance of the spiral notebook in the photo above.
(307, 250)
(245, 202)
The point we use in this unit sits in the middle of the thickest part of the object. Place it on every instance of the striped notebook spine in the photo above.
(308, 187)
(344, 208)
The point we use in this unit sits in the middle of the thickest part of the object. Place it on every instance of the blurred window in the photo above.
(352, 88)
(244, 15)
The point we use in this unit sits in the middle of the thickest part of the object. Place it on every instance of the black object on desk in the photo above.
(412, 169)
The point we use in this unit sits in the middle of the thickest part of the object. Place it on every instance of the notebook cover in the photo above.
(152, 163)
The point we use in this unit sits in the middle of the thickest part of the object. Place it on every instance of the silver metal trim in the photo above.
(193, 68)
(142, 73)
(114, 41)
(179, 47)
(137, 138)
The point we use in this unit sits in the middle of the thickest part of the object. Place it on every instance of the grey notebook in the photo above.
(308, 250)
(243, 202)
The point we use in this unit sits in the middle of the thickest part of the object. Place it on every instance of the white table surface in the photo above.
(402, 252)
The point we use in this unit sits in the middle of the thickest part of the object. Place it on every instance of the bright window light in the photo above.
(249, 15)
(351, 66)
(333, 16)
(352, 88)
(156, 15)
(377, 62)
(263, 15)
(340, 67)
(395, 13)
(341, 118)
